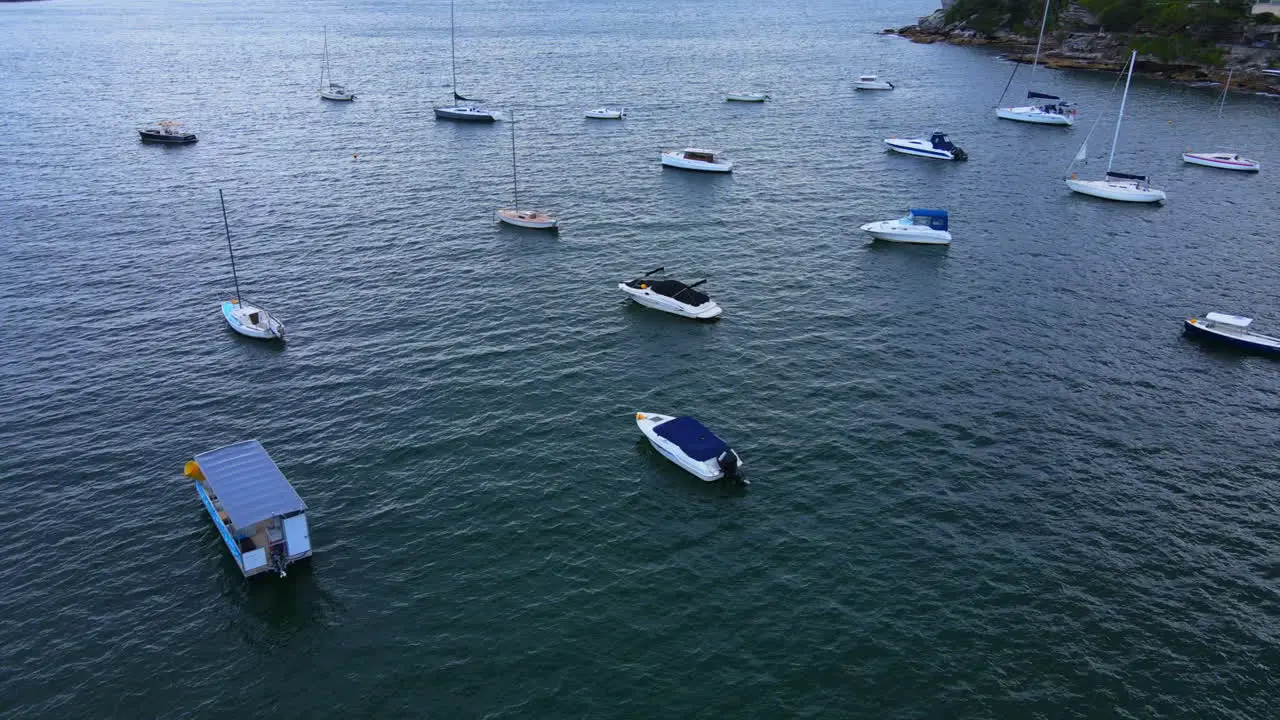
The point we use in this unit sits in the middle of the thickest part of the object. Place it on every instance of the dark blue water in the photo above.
(988, 481)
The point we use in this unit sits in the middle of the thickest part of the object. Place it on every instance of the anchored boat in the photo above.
(257, 512)
(167, 131)
(1054, 112)
(937, 147)
(689, 444)
(244, 317)
(671, 296)
(696, 159)
(514, 215)
(462, 113)
(925, 227)
(1222, 160)
(746, 97)
(871, 82)
(330, 90)
(1231, 330)
(607, 113)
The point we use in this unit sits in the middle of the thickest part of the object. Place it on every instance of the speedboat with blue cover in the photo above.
(689, 444)
(927, 227)
(937, 147)
(671, 296)
(256, 511)
(1231, 330)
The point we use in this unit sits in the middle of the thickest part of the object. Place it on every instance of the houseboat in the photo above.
(256, 511)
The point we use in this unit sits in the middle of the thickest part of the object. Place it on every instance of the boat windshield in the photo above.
(700, 156)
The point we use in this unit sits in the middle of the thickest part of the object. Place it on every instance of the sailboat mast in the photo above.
(453, 57)
(226, 226)
(515, 183)
(1225, 90)
(1043, 21)
(1116, 138)
(324, 66)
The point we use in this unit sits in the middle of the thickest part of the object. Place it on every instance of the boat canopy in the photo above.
(936, 219)
(1031, 94)
(248, 484)
(1225, 319)
(1126, 176)
(940, 141)
(677, 290)
(692, 437)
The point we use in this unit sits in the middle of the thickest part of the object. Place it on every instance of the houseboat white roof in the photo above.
(248, 484)
(1226, 319)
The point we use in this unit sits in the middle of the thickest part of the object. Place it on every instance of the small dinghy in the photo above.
(696, 159)
(243, 317)
(689, 444)
(1224, 161)
(671, 296)
(871, 82)
(925, 227)
(746, 97)
(167, 131)
(1231, 330)
(937, 147)
(607, 113)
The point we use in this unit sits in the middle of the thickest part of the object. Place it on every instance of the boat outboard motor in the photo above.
(728, 461)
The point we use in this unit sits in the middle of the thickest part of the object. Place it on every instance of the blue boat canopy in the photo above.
(248, 484)
(692, 437)
(936, 219)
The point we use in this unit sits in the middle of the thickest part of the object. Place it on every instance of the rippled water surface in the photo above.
(988, 481)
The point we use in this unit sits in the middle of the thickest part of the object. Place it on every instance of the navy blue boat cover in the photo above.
(692, 437)
(248, 484)
(937, 218)
(1042, 96)
(1126, 176)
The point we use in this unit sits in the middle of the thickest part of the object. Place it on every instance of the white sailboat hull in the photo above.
(746, 97)
(1224, 161)
(607, 113)
(1034, 115)
(251, 321)
(527, 219)
(1116, 190)
(339, 95)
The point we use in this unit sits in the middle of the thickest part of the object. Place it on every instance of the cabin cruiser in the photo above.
(527, 219)
(871, 82)
(167, 131)
(746, 97)
(1225, 161)
(1231, 330)
(334, 91)
(465, 113)
(696, 159)
(926, 227)
(671, 296)
(689, 444)
(1057, 112)
(607, 113)
(1118, 186)
(937, 147)
(251, 320)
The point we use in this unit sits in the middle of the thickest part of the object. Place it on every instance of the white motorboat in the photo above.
(1231, 330)
(696, 159)
(937, 147)
(329, 90)
(458, 111)
(1123, 187)
(607, 113)
(925, 227)
(1118, 186)
(671, 296)
(514, 216)
(689, 444)
(245, 318)
(167, 131)
(746, 97)
(1055, 111)
(871, 82)
(1222, 160)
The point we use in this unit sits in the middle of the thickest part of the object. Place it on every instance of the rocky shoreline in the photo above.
(1097, 50)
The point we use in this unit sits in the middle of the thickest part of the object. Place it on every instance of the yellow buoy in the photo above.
(639, 416)
(192, 470)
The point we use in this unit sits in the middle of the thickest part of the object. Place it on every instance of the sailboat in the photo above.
(331, 90)
(1116, 185)
(1224, 160)
(243, 317)
(458, 111)
(514, 215)
(1054, 111)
